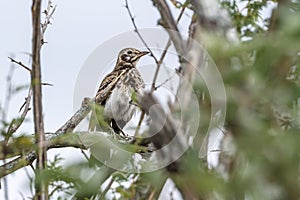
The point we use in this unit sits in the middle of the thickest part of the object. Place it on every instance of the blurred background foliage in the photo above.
(261, 77)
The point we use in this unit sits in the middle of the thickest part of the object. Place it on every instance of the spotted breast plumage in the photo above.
(116, 90)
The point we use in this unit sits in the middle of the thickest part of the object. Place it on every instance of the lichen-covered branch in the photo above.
(77, 117)
(28, 158)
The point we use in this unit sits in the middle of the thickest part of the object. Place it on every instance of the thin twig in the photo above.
(137, 31)
(137, 130)
(162, 57)
(8, 91)
(167, 80)
(215, 150)
(4, 115)
(102, 195)
(158, 62)
(19, 63)
(168, 22)
(84, 154)
(153, 194)
(14, 126)
(49, 13)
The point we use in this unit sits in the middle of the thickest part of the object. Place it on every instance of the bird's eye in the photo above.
(129, 52)
(125, 57)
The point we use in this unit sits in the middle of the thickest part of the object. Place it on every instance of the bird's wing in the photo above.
(103, 93)
(107, 85)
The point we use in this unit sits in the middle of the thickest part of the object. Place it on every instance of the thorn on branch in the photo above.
(178, 70)
(43, 41)
(160, 22)
(45, 12)
(47, 84)
(24, 104)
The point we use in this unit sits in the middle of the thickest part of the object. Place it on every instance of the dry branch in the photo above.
(78, 116)
(67, 140)
(9, 86)
(168, 22)
(26, 107)
(164, 53)
(19, 63)
(41, 189)
(211, 22)
(162, 131)
(137, 31)
(158, 62)
(48, 15)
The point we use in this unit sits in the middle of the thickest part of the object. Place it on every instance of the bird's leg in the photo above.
(117, 129)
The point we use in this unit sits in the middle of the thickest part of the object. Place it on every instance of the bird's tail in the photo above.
(97, 119)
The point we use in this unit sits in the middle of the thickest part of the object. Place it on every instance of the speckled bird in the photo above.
(116, 89)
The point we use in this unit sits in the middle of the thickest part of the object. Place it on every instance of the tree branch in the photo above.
(28, 158)
(8, 95)
(66, 140)
(168, 22)
(162, 131)
(26, 107)
(17, 163)
(48, 15)
(42, 187)
(164, 53)
(78, 116)
(158, 62)
(211, 22)
(26, 153)
(19, 63)
(138, 33)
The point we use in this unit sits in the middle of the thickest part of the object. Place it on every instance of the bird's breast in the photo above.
(119, 106)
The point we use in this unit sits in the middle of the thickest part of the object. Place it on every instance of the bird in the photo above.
(116, 91)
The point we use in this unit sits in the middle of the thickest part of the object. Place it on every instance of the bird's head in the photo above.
(130, 55)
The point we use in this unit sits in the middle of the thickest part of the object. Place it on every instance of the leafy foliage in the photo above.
(59, 181)
(262, 86)
(248, 20)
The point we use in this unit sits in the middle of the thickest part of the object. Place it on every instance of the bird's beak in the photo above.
(142, 53)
